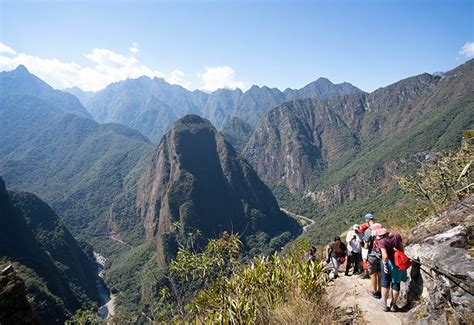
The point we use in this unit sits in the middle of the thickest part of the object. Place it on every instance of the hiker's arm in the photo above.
(384, 259)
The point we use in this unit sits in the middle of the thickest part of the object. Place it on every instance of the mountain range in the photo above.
(152, 105)
(341, 153)
(103, 178)
(162, 174)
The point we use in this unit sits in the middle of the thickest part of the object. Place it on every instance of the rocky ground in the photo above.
(440, 288)
(350, 294)
(440, 285)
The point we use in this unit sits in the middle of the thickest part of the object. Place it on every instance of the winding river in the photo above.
(107, 299)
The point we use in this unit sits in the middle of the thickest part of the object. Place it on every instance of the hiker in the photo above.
(354, 241)
(364, 253)
(389, 243)
(310, 256)
(336, 253)
(373, 256)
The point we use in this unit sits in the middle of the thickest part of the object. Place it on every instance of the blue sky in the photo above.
(211, 44)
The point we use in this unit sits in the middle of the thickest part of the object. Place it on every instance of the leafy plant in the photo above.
(239, 293)
(444, 180)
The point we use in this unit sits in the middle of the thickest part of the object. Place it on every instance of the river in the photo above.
(107, 300)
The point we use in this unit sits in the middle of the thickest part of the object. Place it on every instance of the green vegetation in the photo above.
(135, 276)
(59, 277)
(85, 317)
(440, 182)
(262, 291)
(296, 203)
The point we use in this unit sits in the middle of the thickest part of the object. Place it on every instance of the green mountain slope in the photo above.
(59, 277)
(340, 154)
(85, 170)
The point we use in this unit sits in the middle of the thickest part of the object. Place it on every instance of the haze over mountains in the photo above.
(326, 151)
(152, 105)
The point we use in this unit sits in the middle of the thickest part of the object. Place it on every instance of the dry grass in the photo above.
(300, 311)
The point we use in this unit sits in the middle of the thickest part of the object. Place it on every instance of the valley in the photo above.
(135, 176)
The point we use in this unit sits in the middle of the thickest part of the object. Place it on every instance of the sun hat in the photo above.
(380, 232)
(376, 226)
(369, 216)
(356, 227)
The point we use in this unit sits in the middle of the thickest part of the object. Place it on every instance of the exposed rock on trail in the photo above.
(441, 291)
(351, 292)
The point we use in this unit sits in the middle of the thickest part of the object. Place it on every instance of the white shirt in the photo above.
(354, 244)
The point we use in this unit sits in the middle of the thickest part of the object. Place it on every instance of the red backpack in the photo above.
(402, 262)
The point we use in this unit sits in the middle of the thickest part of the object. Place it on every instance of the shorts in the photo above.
(374, 264)
(387, 279)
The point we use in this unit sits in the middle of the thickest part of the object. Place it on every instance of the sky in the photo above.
(215, 44)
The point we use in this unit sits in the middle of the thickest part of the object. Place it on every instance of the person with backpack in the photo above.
(353, 239)
(390, 243)
(336, 253)
(373, 256)
(364, 253)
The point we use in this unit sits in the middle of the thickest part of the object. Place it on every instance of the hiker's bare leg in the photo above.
(395, 295)
(379, 282)
(373, 282)
(385, 292)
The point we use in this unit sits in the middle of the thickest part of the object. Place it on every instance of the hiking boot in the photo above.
(373, 294)
(382, 305)
(347, 274)
(379, 294)
(394, 308)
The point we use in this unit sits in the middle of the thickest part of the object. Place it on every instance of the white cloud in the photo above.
(6, 49)
(105, 67)
(134, 48)
(219, 77)
(177, 77)
(467, 50)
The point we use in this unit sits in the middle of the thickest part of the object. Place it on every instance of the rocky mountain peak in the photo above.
(196, 178)
(21, 69)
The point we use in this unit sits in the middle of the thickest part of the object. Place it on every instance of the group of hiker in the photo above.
(373, 252)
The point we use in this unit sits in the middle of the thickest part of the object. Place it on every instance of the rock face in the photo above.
(296, 141)
(443, 246)
(333, 142)
(237, 132)
(14, 306)
(197, 178)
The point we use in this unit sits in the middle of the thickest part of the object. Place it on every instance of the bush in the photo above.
(253, 293)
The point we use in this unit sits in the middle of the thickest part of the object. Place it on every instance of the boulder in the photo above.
(442, 275)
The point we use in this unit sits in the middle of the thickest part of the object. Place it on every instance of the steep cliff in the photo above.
(59, 276)
(197, 178)
(355, 141)
(441, 279)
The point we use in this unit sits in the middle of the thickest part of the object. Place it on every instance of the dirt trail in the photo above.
(352, 292)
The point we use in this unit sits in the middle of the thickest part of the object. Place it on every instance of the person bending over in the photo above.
(336, 253)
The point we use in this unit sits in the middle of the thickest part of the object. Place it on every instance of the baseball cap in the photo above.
(369, 216)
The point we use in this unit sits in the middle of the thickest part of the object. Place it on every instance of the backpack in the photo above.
(401, 261)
